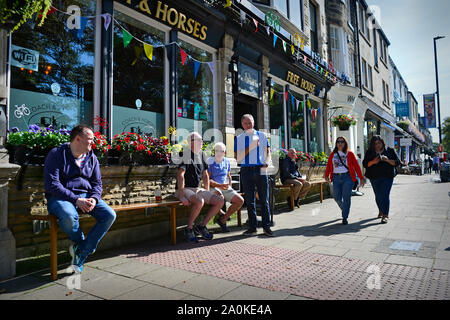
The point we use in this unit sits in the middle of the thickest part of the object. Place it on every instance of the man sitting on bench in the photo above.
(191, 171)
(219, 170)
(73, 185)
(289, 174)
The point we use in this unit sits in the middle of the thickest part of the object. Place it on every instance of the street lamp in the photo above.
(437, 87)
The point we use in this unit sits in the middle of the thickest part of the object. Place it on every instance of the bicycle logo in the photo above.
(21, 111)
(100, 121)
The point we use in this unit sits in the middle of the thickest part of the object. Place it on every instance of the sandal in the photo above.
(384, 220)
(380, 215)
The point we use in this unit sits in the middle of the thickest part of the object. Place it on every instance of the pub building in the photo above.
(143, 66)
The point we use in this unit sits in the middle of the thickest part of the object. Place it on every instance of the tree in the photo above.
(446, 135)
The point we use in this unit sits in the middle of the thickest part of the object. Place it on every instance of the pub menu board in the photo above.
(249, 81)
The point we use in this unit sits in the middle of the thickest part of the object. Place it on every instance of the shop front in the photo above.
(123, 66)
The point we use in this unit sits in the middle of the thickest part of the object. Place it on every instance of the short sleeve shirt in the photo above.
(194, 170)
(255, 157)
(338, 167)
(218, 171)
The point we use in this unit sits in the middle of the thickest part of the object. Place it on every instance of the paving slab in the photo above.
(167, 277)
(245, 292)
(207, 287)
(152, 292)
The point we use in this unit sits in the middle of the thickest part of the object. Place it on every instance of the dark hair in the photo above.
(374, 140)
(336, 149)
(79, 130)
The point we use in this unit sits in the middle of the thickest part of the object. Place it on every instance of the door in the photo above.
(244, 105)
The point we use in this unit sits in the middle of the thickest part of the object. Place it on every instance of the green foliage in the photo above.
(320, 157)
(37, 138)
(22, 10)
(446, 135)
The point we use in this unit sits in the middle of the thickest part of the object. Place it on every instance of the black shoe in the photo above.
(223, 226)
(344, 221)
(203, 232)
(250, 232)
(268, 232)
(297, 203)
(190, 236)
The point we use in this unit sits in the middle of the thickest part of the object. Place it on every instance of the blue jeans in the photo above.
(342, 192)
(69, 223)
(382, 189)
(251, 177)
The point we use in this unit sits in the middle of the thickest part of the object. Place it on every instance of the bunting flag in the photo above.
(148, 49)
(306, 59)
(212, 67)
(183, 56)
(286, 94)
(274, 39)
(272, 91)
(107, 17)
(138, 52)
(49, 12)
(268, 30)
(196, 67)
(256, 24)
(297, 104)
(308, 103)
(292, 49)
(292, 100)
(284, 45)
(126, 38)
(228, 4)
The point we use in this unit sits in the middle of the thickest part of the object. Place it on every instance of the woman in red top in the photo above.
(342, 168)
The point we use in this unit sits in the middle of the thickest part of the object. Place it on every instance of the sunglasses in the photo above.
(340, 141)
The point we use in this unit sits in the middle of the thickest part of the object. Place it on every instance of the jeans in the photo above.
(342, 192)
(69, 223)
(251, 177)
(382, 189)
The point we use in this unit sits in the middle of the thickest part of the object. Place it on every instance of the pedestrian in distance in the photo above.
(219, 170)
(342, 169)
(252, 152)
(436, 164)
(290, 175)
(73, 185)
(191, 172)
(380, 163)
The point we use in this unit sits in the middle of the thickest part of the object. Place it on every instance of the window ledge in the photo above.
(368, 91)
(367, 40)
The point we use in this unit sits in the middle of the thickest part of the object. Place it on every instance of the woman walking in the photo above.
(342, 169)
(380, 163)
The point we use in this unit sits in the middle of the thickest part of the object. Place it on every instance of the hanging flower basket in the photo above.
(343, 122)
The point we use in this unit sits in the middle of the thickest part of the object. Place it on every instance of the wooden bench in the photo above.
(53, 220)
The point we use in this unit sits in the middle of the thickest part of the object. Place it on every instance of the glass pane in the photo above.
(52, 71)
(282, 6)
(277, 127)
(295, 14)
(138, 101)
(297, 122)
(314, 129)
(195, 93)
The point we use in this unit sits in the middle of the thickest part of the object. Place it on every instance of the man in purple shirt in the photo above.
(73, 185)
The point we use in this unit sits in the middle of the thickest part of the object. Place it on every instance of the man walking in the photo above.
(73, 185)
(289, 175)
(436, 164)
(191, 172)
(252, 152)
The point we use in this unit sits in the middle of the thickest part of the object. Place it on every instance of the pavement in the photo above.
(312, 256)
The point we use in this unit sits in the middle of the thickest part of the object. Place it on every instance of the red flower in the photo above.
(94, 146)
(118, 148)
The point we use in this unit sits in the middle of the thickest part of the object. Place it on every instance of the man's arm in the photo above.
(96, 182)
(206, 179)
(52, 181)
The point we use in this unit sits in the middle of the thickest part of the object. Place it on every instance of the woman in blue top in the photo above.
(219, 170)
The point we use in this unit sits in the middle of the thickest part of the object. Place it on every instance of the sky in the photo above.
(410, 26)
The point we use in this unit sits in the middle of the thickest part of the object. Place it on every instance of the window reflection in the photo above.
(314, 127)
(195, 93)
(58, 90)
(138, 81)
(297, 122)
(277, 127)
